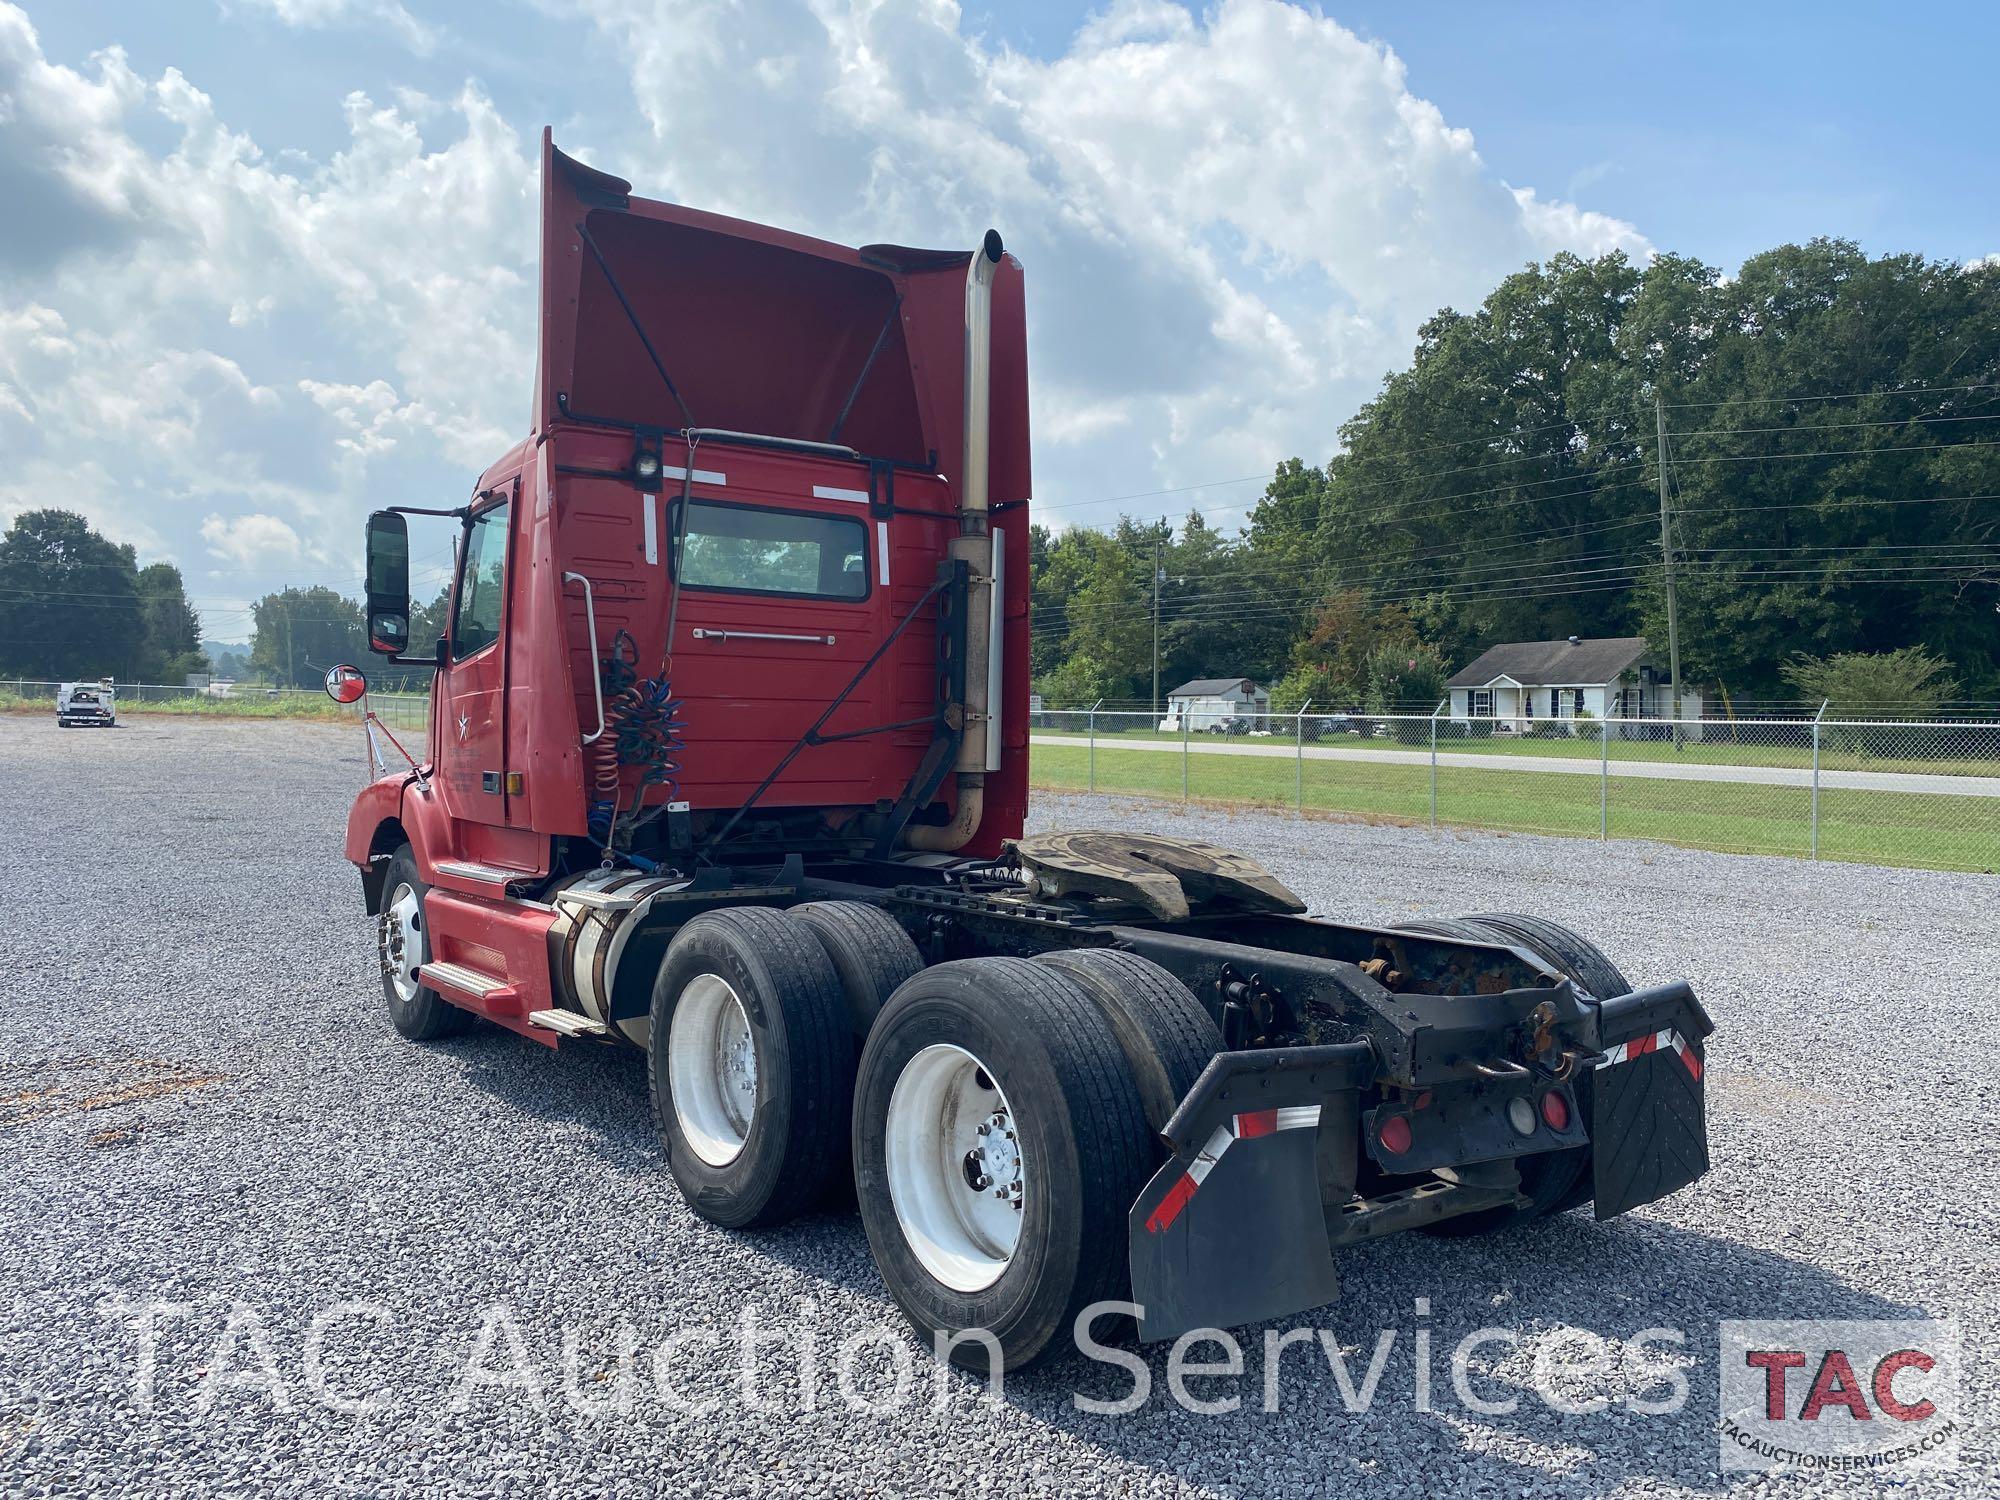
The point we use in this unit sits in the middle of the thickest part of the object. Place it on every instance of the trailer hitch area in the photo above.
(1232, 1229)
(1648, 1122)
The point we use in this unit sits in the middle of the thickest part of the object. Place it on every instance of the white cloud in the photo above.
(1233, 223)
(251, 541)
(316, 15)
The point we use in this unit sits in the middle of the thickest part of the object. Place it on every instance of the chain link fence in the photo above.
(1881, 792)
(237, 700)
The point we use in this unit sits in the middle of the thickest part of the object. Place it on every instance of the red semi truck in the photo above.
(727, 762)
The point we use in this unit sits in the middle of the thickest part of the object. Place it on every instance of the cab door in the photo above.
(470, 752)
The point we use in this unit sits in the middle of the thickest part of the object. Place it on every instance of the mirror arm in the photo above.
(462, 512)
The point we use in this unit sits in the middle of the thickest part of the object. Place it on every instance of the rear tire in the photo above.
(750, 1066)
(416, 1010)
(1166, 1034)
(870, 951)
(960, 1047)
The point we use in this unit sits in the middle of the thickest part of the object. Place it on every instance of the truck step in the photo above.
(495, 877)
(568, 1022)
(460, 980)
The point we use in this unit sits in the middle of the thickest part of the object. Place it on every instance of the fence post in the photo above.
(1299, 767)
(1815, 791)
(1184, 752)
(1093, 743)
(1434, 765)
(1604, 777)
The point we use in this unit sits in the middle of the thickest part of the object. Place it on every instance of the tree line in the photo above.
(1832, 442)
(76, 605)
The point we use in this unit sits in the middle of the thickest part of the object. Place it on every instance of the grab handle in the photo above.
(596, 677)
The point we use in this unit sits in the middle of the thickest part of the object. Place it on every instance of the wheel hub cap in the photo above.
(400, 940)
(712, 1069)
(958, 1178)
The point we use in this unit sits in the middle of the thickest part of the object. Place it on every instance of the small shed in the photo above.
(1211, 702)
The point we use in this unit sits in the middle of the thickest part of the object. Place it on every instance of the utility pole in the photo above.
(1158, 573)
(1667, 559)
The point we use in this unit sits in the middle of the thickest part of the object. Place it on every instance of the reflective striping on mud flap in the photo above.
(1654, 1042)
(1244, 1127)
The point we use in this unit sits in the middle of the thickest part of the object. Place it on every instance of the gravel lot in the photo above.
(202, 1104)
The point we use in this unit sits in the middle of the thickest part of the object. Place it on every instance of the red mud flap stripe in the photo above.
(1246, 1127)
(1657, 1041)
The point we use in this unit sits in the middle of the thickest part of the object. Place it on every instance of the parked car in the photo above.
(86, 703)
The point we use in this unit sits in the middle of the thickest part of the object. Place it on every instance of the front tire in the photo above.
(750, 1066)
(999, 1142)
(403, 943)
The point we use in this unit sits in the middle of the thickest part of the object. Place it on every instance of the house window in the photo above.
(1567, 702)
(1482, 703)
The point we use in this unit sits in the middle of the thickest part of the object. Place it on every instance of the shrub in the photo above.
(1405, 680)
(1905, 684)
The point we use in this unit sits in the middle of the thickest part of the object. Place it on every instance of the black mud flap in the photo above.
(1231, 1230)
(1649, 1130)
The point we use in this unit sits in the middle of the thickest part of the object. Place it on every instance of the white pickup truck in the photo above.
(86, 703)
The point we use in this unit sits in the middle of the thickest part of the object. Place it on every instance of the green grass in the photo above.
(1893, 828)
(1715, 750)
(394, 709)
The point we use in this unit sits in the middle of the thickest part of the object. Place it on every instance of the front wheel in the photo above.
(999, 1143)
(417, 1011)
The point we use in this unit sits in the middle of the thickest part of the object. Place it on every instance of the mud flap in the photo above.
(1649, 1130)
(1231, 1230)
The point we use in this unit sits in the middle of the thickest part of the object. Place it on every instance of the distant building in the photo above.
(1209, 702)
(1525, 683)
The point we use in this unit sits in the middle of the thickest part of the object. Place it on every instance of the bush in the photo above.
(1405, 680)
(1905, 684)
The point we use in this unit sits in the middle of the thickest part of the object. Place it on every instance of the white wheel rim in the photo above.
(402, 941)
(957, 1175)
(712, 1069)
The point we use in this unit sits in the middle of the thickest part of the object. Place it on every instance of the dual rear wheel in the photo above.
(996, 1116)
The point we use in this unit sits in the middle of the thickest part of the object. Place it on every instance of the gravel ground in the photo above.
(201, 1104)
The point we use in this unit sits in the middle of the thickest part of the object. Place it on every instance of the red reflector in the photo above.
(1394, 1134)
(1555, 1109)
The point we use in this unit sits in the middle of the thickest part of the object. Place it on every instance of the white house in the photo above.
(1209, 702)
(1525, 683)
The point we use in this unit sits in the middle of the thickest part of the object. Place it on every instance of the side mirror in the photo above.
(388, 583)
(345, 684)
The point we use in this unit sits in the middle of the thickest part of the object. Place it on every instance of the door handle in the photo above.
(596, 677)
(760, 635)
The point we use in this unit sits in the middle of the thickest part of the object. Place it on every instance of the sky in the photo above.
(266, 265)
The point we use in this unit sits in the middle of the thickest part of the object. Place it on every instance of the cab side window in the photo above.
(475, 621)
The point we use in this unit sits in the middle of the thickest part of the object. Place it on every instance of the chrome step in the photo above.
(466, 869)
(568, 1022)
(464, 981)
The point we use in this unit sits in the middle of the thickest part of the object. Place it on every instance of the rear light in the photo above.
(1521, 1115)
(1394, 1135)
(1555, 1109)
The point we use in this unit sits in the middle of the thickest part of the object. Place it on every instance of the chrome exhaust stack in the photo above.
(978, 545)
